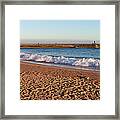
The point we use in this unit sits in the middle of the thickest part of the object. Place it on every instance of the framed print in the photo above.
(60, 60)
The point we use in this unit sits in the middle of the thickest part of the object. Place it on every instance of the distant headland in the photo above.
(38, 45)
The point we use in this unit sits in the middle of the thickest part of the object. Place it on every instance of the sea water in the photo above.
(76, 57)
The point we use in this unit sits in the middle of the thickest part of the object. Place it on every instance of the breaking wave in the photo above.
(62, 60)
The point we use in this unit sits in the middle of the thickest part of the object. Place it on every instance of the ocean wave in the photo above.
(85, 62)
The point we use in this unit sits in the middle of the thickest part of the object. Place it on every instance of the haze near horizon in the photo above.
(59, 31)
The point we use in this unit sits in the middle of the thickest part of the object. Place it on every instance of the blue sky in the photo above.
(59, 30)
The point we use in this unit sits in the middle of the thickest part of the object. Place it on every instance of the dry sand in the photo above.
(42, 82)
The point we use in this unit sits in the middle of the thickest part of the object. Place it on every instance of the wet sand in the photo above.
(42, 82)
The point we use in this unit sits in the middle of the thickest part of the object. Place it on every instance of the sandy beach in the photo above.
(42, 82)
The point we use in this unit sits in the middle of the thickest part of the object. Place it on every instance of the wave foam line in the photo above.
(85, 62)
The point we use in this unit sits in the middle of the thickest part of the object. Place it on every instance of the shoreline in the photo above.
(42, 82)
(61, 66)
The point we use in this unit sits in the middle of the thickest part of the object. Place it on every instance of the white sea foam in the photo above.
(85, 62)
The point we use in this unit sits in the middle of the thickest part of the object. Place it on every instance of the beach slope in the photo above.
(43, 82)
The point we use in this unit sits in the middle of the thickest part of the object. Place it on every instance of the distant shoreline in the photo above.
(93, 45)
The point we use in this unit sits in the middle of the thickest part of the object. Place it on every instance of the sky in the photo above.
(58, 31)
